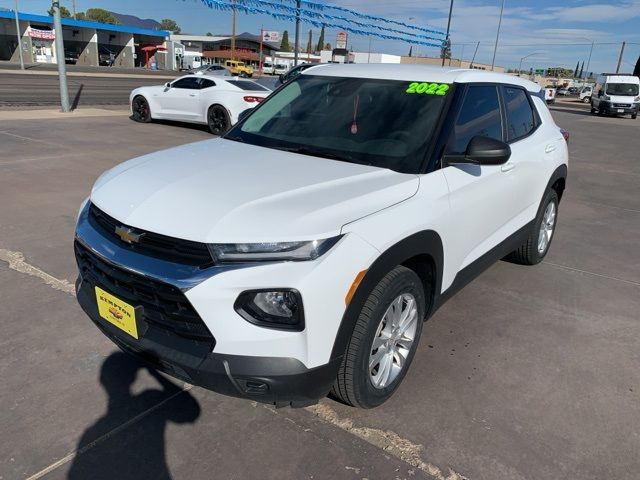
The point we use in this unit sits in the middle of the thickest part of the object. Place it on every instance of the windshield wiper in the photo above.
(320, 153)
(235, 139)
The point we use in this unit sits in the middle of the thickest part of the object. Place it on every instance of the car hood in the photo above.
(222, 191)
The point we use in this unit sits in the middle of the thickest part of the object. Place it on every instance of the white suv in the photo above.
(300, 254)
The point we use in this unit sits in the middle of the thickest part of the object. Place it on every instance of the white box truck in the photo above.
(616, 94)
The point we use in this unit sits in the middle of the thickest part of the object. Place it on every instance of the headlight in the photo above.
(637, 99)
(606, 98)
(271, 251)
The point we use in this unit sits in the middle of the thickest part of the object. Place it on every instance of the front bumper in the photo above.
(612, 108)
(276, 380)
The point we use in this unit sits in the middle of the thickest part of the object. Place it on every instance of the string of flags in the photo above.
(317, 14)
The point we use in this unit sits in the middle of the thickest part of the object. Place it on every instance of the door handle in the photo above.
(192, 94)
(549, 148)
(507, 167)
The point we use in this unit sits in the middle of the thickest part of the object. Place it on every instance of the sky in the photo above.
(548, 32)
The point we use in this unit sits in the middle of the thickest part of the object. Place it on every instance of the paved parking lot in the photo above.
(528, 373)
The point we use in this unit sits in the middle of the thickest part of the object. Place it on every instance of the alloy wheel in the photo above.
(393, 340)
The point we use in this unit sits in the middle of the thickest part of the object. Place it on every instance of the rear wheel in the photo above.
(535, 248)
(218, 120)
(634, 116)
(140, 110)
(383, 342)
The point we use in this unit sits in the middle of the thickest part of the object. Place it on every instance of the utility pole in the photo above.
(62, 68)
(495, 47)
(446, 40)
(620, 57)
(19, 36)
(297, 43)
(73, 10)
(260, 59)
(474, 55)
(233, 30)
(588, 62)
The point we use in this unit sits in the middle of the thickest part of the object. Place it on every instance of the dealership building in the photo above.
(85, 42)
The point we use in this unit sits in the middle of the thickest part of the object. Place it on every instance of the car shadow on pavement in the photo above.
(128, 441)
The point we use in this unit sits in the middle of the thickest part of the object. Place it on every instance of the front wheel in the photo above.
(586, 100)
(141, 112)
(634, 116)
(383, 342)
(535, 248)
(218, 120)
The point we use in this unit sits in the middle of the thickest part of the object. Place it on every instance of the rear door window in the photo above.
(520, 116)
(479, 115)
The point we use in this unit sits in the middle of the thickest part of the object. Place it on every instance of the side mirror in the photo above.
(167, 86)
(481, 151)
(243, 114)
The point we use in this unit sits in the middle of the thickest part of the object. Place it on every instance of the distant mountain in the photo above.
(133, 21)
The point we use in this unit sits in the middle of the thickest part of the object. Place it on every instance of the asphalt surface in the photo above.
(29, 90)
(528, 373)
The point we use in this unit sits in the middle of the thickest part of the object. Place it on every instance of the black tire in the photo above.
(634, 116)
(140, 110)
(593, 110)
(528, 253)
(354, 385)
(243, 75)
(218, 120)
(586, 100)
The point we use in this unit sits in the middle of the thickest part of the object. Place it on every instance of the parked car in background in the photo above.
(562, 91)
(278, 266)
(212, 69)
(573, 90)
(280, 69)
(550, 94)
(616, 94)
(267, 68)
(238, 69)
(585, 94)
(200, 98)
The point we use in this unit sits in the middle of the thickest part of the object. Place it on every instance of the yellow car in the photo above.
(238, 68)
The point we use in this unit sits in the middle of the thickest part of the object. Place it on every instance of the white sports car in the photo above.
(207, 99)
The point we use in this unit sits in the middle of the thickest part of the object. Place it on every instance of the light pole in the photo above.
(19, 37)
(447, 44)
(297, 41)
(526, 56)
(495, 47)
(584, 78)
(62, 68)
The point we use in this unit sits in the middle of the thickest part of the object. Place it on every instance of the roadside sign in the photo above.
(341, 40)
(270, 36)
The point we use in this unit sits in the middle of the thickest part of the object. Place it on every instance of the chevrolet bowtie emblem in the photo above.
(127, 235)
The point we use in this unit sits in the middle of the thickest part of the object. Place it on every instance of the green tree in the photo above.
(636, 71)
(81, 16)
(320, 40)
(100, 15)
(64, 12)
(209, 34)
(284, 45)
(327, 46)
(169, 25)
(310, 43)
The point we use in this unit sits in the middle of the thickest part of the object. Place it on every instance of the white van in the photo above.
(267, 68)
(616, 94)
(191, 60)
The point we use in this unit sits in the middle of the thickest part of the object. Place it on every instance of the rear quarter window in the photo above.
(521, 120)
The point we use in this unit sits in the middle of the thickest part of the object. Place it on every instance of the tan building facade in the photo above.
(450, 62)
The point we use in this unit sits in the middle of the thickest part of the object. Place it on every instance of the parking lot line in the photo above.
(586, 272)
(111, 433)
(17, 262)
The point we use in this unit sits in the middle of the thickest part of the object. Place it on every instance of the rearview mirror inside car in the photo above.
(481, 151)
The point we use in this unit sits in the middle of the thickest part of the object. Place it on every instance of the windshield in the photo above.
(384, 123)
(627, 89)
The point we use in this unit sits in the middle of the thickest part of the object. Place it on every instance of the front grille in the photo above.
(164, 306)
(621, 105)
(153, 244)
